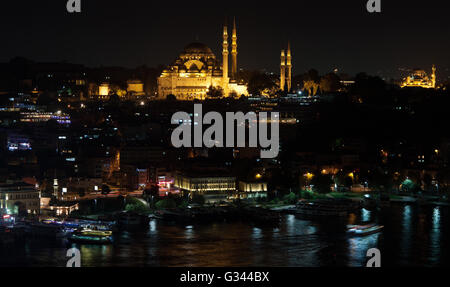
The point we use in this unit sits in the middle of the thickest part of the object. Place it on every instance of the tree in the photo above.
(233, 95)
(369, 89)
(166, 203)
(409, 186)
(198, 199)
(427, 180)
(215, 92)
(311, 87)
(151, 193)
(322, 183)
(381, 180)
(261, 83)
(171, 98)
(290, 198)
(330, 83)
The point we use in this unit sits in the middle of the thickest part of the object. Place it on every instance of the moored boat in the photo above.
(363, 230)
(40, 229)
(91, 236)
(325, 208)
(132, 220)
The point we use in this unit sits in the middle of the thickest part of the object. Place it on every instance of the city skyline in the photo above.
(221, 134)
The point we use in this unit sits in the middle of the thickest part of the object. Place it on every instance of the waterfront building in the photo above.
(61, 208)
(214, 186)
(252, 189)
(17, 197)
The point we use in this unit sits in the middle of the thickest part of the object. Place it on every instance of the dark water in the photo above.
(413, 236)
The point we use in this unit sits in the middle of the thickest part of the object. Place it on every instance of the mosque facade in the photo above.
(196, 70)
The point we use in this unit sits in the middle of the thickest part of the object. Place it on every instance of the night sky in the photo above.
(323, 34)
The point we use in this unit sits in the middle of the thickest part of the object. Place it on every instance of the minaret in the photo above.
(433, 76)
(283, 70)
(289, 68)
(234, 52)
(225, 58)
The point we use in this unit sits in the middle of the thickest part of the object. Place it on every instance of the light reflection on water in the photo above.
(406, 233)
(412, 236)
(365, 215)
(435, 235)
(358, 247)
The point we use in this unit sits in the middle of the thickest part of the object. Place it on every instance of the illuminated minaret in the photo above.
(283, 70)
(225, 55)
(433, 76)
(289, 68)
(234, 52)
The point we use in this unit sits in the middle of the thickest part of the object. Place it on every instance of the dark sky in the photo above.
(323, 34)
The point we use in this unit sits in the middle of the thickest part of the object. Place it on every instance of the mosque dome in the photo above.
(197, 48)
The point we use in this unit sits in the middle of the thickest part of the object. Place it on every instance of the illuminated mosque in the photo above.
(419, 78)
(196, 69)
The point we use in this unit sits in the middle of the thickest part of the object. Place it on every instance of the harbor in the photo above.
(314, 233)
(308, 242)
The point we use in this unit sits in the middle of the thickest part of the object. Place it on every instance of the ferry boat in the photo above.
(92, 236)
(363, 230)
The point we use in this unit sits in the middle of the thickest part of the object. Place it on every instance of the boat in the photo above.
(260, 215)
(154, 216)
(325, 208)
(91, 236)
(130, 219)
(50, 230)
(6, 235)
(178, 216)
(363, 230)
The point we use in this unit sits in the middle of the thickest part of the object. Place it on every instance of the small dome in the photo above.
(197, 48)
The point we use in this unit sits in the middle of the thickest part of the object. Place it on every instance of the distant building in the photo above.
(214, 186)
(135, 87)
(63, 208)
(197, 69)
(18, 197)
(103, 91)
(419, 78)
(252, 189)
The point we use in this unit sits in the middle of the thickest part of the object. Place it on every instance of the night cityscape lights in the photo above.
(154, 134)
